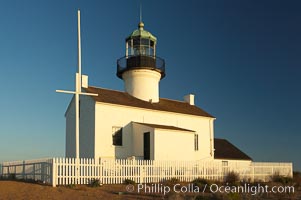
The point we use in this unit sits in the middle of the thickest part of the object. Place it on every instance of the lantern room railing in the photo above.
(140, 62)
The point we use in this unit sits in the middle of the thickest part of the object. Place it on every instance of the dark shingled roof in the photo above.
(164, 127)
(226, 150)
(123, 98)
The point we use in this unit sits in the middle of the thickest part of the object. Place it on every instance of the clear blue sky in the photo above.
(242, 60)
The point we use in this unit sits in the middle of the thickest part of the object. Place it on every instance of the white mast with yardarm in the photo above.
(77, 92)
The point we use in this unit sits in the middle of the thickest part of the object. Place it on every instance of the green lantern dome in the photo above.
(141, 33)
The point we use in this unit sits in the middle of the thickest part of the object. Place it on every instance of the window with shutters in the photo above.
(117, 135)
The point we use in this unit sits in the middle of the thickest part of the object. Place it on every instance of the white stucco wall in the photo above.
(174, 145)
(70, 130)
(109, 115)
(164, 143)
(137, 148)
(87, 128)
(107, 142)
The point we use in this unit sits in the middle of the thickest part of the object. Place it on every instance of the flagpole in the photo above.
(77, 93)
(79, 45)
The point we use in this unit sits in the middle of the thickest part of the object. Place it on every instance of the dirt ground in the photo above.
(16, 190)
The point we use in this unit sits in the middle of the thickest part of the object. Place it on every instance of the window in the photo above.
(196, 142)
(144, 42)
(117, 136)
(136, 42)
(152, 43)
(225, 163)
(225, 167)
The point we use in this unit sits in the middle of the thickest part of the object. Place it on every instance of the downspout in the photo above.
(211, 138)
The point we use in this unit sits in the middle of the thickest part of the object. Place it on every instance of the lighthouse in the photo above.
(140, 68)
(136, 123)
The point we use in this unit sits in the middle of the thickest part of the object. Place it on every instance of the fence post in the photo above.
(273, 171)
(34, 171)
(53, 174)
(23, 170)
(253, 172)
(141, 173)
(42, 165)
(100, 169)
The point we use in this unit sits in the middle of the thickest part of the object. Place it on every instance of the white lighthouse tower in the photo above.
(140, 69)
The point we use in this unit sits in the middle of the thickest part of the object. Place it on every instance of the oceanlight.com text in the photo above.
(212, 188)
(250, 189)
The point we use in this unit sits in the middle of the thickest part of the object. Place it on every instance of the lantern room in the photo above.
(141, 42)
(140, 53)
(140, 68)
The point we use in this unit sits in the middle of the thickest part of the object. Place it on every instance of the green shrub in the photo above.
(276, 178)
(129, 181)
(233, 196)
(297, 178)
(202, 197)
(201, 183)
(214, 196)
(95, 183)
(173, 180)
(12, 176)
(232, 178)
(170, 181)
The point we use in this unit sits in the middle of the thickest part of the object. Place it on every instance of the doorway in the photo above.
(146, 145)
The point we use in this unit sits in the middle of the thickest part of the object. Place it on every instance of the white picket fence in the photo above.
(62, 171)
